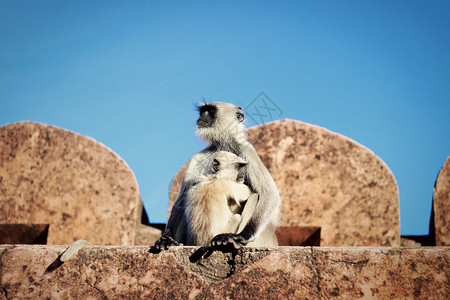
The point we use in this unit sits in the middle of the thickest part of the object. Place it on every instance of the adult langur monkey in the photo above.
(221, 125)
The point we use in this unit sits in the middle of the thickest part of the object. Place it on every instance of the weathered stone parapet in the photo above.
(441, 205)
(111, 272)
(57, 186)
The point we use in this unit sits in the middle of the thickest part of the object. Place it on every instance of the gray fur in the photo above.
(226, 132)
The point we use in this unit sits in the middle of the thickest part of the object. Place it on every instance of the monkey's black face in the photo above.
(219, 122)
(208, 115)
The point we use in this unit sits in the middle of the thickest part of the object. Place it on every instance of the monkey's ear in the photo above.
(240, 116)
(215, 166)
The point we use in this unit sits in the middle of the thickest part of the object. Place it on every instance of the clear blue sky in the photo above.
(127, 74)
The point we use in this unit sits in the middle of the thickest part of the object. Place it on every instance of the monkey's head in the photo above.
(220, 121)
(226, 165)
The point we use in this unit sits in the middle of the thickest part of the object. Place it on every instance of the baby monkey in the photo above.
(216, 201)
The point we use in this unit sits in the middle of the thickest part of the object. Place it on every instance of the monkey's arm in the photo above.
(265, 211)
(233, 224)
(239, 191)
(268, 205)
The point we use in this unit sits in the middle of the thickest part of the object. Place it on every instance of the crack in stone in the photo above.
(6, 249)
(100, 291)
(316, 270)
(5, 292)
(2, 252)
(356, 263)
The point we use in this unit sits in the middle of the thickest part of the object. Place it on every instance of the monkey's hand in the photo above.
(228, 241)
(165, 242)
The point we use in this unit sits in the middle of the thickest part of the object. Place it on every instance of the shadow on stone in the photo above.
(202, 252)
(298, 236)
(24, 234)
(54, 265)
(154, 250)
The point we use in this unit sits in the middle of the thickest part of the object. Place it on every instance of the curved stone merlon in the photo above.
(441, 205)
(188, 272)
(75, 185)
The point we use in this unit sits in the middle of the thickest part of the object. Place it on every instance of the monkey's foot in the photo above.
(165, 242)
(228, 240)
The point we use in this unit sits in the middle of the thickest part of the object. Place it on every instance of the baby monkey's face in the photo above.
(226, 165)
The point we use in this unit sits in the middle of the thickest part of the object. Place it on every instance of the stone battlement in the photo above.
(104, 272)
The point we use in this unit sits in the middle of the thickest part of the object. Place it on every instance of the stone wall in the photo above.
(66, 185)
(196, 273)
(441, 205)
(57, 186)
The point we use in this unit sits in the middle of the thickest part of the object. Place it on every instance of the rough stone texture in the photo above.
(146, 235)
(326, 180)
(76, 185)
(384, 273)
(190, 272)
(441, 205)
